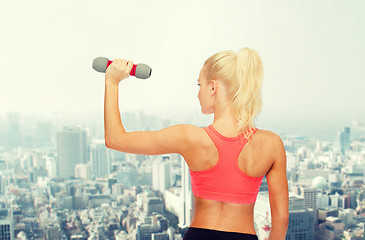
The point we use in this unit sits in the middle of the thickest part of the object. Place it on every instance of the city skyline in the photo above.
(312, 129)
(40, 195)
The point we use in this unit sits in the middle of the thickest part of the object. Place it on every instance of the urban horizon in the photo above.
(325, 131)
(61, 179)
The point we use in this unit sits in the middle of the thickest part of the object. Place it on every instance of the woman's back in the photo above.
(254, 160)
(230, 87)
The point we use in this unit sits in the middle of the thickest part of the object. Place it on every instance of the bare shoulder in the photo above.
(268, 134)
(196, 138)
(273, 145)
(270, 143)
(269, 139)
(190, 132)
(276, 143)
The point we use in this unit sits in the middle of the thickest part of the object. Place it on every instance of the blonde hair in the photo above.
(242, 74)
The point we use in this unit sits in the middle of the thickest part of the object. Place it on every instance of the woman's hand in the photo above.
(118, 70)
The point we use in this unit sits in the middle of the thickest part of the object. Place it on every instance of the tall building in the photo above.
(6, 224)
(14, 134)
(100, 159)
(71, 150)
(38, 159)
(187, 197)
(342, 141)
(51, 164)
(300, 219)
(262, 215)
(310, 198)
(161, 174)
(345, 139)
(155, 170)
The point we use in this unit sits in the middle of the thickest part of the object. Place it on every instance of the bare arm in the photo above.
(173, 139)
(278, 192)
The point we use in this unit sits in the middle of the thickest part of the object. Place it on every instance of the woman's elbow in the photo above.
(108, 144)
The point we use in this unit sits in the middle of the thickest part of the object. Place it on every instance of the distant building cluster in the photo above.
(60, 182)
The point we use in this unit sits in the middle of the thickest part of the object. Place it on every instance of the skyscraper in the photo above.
(71, 150)
(187, 197)
(345, 139)
(301, 219)
(310, 198)
(100, 158)
(6, 224)
(14, 134)
(262, 215)
(161, 174)
(342, 141)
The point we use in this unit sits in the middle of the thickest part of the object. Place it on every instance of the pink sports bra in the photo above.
(225, 181)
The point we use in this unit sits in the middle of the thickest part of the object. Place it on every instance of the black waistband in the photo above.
(206, 233)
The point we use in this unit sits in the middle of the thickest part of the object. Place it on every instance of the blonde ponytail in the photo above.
(243, 74)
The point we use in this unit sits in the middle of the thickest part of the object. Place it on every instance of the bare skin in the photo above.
(226, 216)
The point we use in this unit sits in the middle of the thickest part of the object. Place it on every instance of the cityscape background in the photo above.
(59, 181)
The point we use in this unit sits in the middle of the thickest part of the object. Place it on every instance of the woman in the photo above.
(227, 159)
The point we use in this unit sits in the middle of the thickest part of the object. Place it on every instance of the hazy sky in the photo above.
(313, 54)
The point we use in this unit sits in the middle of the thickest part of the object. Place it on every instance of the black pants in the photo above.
(194, 233)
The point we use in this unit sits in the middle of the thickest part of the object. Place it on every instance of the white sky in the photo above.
(313, 54)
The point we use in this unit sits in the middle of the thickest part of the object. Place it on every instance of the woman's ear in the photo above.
(213, 86)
